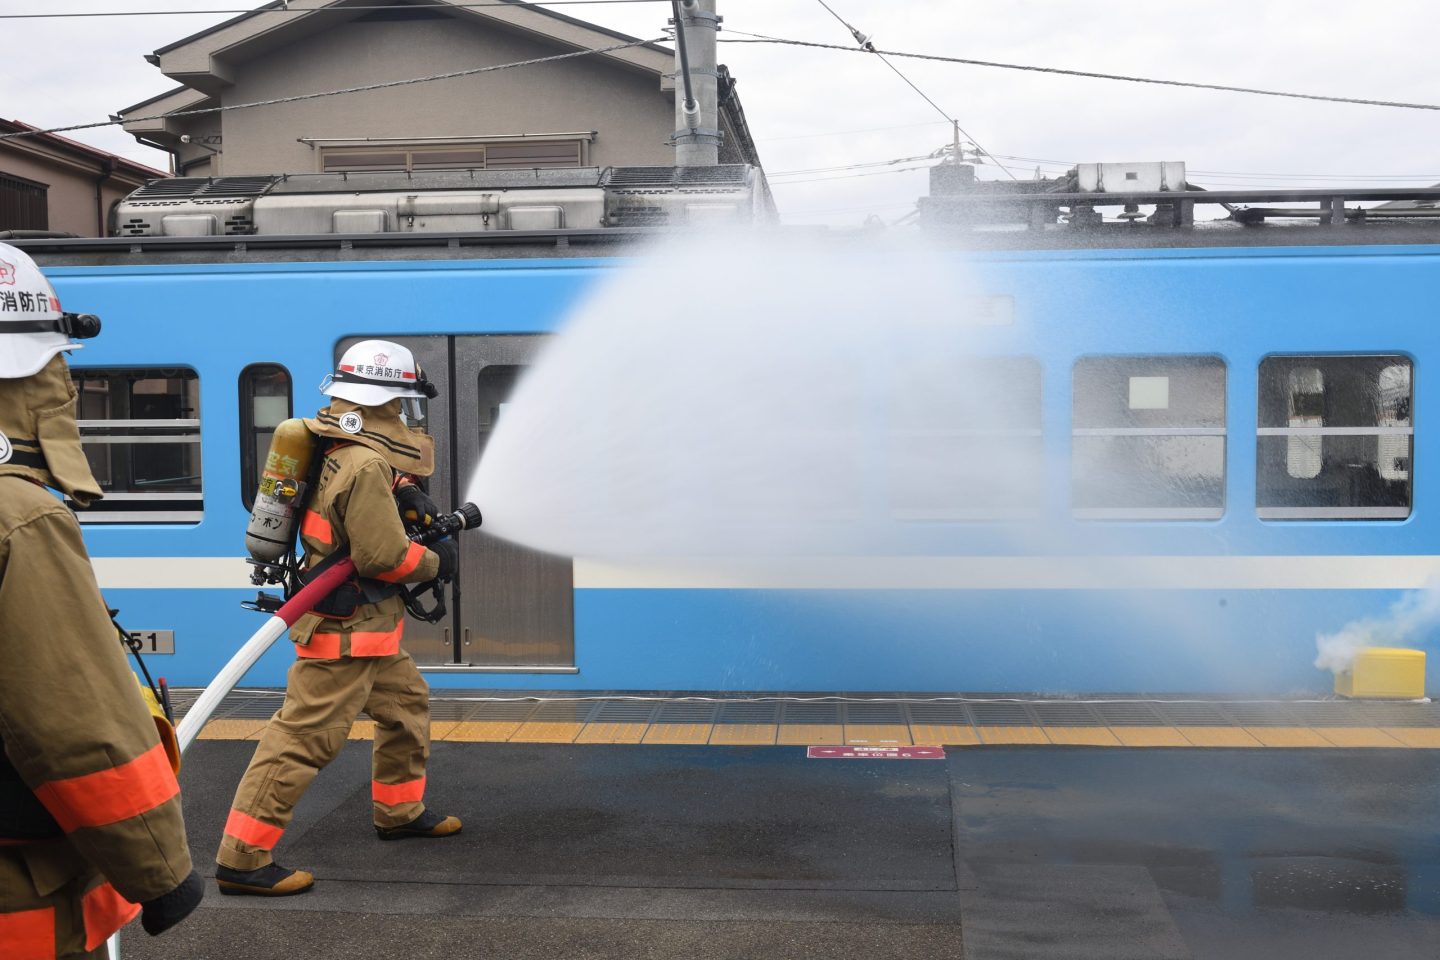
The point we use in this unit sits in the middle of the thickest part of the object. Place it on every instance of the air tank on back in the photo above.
(270, 532)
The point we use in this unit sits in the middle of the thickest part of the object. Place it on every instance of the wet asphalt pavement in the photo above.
(756, 852)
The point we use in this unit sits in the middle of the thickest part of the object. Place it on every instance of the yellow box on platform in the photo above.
(1384, 673)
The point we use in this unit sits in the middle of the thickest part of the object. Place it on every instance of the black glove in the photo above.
(449, 553)
(162, 913)
(416, 509)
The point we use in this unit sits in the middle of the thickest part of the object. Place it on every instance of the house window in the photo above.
(1148, 438)
(524, 154)
(1335, 438)
(140, 429)
(23, 204)
(965, 440)
(264, 404)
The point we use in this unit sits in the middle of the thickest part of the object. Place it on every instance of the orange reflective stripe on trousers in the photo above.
(247, 829)
(394, 794)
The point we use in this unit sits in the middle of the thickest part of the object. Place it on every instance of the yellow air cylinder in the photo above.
(282, 483)
(1384, 673)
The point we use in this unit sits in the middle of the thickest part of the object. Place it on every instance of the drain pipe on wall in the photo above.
(697, 119)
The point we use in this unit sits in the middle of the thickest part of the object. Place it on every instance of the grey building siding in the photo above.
(632, 116)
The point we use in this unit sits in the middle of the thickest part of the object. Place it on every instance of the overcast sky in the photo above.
(817, 108)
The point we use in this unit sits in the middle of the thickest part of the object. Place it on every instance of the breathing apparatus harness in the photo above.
(285, 570)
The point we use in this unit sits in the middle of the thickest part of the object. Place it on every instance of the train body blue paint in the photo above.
(1213, 619)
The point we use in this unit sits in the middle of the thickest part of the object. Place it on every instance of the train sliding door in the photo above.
(517, 603)
(511, 608)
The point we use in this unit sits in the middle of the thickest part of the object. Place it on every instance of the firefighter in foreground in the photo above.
(90, 828)
(348, 650)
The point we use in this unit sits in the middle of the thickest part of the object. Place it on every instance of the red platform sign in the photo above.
(875, 753)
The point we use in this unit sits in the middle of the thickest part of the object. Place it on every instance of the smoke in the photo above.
(1410, 619)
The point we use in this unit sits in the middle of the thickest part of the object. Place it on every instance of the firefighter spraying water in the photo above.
(345, 488)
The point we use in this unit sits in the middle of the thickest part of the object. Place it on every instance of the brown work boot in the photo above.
(271, 880)
(428, 824)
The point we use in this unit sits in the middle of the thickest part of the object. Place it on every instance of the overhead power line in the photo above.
(866, 46)
(1094, 75)
(299, 10)
(336, 93)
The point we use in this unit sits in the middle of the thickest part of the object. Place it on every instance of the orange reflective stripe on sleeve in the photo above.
(105, 912)
(413, 556)
(322, 646)
(393, 794)
(247, 829)
(316, 527)
(109, 796)
(377, 644)
(28, 934)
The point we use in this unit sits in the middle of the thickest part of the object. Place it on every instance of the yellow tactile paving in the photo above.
(1012, 735)
(1422, 737)
(943, 734)
(603, 732)
(234, 729)
(743, 734)
(1358, 737)
(877, 735)
(1218, 737)
(546, 731)
(811, 734)
(1150, 737)
(677, 733)
(1287, 736)
(1081, 736)
(882, 734)
(482, 731)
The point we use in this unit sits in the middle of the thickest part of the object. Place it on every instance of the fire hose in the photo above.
(304, 600)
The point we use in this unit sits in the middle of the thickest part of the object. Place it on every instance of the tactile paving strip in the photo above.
(460, 716)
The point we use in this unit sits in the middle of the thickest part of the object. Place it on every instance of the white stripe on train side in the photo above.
(889, 573)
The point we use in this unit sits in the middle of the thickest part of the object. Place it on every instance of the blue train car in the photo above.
(1242, 476)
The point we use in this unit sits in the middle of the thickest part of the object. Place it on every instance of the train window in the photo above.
(1335, 438)
(140, 428)
(1148, 438)
(965, 440)
(264, 403)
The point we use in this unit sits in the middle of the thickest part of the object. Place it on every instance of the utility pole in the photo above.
(697, 81)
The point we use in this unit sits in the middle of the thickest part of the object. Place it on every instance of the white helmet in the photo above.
(374, 372)
(32, 327)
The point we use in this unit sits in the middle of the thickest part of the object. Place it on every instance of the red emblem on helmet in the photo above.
(7, 273)
(381, 359)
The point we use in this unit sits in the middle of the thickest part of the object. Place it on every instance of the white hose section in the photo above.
(226, 680)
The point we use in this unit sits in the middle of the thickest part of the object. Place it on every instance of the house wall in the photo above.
(632, 115)
(72, 182)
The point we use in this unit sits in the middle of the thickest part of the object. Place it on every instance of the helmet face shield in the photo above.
(413, 410)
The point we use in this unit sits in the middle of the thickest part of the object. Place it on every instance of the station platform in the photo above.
(577, 846)
(880, 720)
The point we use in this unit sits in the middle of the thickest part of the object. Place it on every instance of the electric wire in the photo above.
(1094, 75)
(333, 93)
(866, 46)
(297, 10)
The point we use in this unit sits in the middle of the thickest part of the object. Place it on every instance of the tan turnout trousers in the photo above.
(344, 666)
(321, 699)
